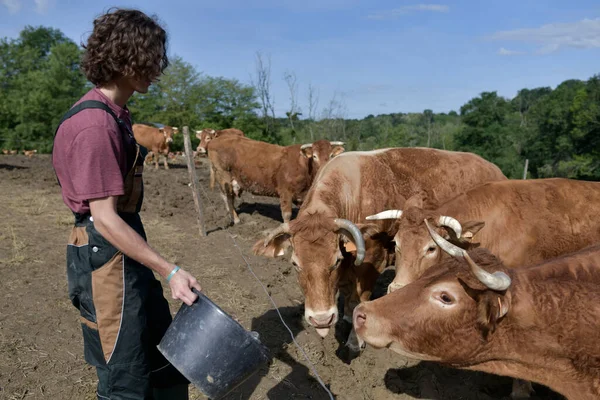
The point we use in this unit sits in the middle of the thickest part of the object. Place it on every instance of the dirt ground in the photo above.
(41, 351)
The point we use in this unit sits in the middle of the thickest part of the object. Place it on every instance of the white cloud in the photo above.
(13, 5)
(397, 12)
(583, 34)
(41, 6)
(505, 52)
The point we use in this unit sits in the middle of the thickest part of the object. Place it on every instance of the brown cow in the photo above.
(527, 221)
(156, 140)
(538, 323)
(525, 225)
(29, 153)
(327, 234)
(205, 136)
(5, 151)
(267, 169)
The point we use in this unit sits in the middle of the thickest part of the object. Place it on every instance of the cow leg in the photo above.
(212, 177)
(285, 201)
(227, 195)
(521, 389)
(166, 157)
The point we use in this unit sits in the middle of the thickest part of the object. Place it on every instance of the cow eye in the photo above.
(431, 249)
(446, 298)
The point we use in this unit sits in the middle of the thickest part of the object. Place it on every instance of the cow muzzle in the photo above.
(322, 321)
(169, 140)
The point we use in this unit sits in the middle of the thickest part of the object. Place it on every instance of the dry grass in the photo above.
(16, 248)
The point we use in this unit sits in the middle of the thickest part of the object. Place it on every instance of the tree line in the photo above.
(557, 130)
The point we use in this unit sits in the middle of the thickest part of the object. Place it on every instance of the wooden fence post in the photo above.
(525, 170)
(189, 155)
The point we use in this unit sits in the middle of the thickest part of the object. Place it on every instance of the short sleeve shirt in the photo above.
(91, 155)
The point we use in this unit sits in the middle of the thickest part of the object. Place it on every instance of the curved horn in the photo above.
(451, 223)
(387, 214)
(496, 281)
(283, 228)
(337, 143)
(356, 235)
(305, 146)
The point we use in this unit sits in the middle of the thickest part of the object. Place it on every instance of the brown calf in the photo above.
(538, 323)
(329, 235)
(205, 136)
(156, 140)
(267, 169)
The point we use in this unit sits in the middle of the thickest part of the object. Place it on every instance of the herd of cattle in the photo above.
(492, 274)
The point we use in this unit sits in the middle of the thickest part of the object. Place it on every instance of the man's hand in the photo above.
(181, 285)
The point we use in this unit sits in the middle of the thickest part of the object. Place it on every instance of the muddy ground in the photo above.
(41, 351)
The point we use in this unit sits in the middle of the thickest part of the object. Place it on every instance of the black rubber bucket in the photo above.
(211, 349)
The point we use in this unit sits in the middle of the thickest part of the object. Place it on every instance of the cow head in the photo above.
(416, 251)
(205, 136)
(168, 132)
(321, 151)
(448, 315)
(322, 247)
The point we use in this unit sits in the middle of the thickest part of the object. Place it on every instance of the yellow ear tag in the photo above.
(350, 247)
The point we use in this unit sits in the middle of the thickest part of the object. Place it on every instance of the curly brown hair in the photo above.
(125, 43)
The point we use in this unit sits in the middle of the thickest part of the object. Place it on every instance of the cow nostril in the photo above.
(359, 319)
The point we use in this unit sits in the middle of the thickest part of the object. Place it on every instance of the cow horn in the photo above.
(496, 281)
(305, 146)
(283, 228)
(387, 214)
(451, 223)
(356, 235)
(337, 143)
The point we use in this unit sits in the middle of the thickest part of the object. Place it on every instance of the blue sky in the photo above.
(374, 56)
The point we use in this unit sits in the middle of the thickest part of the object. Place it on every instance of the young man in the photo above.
(109, 264)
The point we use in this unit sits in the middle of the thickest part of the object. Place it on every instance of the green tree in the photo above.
(40, 80)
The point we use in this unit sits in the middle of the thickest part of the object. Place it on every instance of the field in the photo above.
(41, 351)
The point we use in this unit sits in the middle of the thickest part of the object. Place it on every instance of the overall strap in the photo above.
(92, 104)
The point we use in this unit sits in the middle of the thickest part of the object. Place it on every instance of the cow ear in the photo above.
(307, 152)
(470, 229)
(336, 150)
(369, 232)
(491, 308)
(272, 247)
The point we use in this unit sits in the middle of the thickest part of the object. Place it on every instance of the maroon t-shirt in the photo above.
(91, 155)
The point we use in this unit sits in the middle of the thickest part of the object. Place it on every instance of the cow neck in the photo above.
(538, 325)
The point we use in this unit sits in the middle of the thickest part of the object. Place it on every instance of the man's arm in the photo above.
(112, 227)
